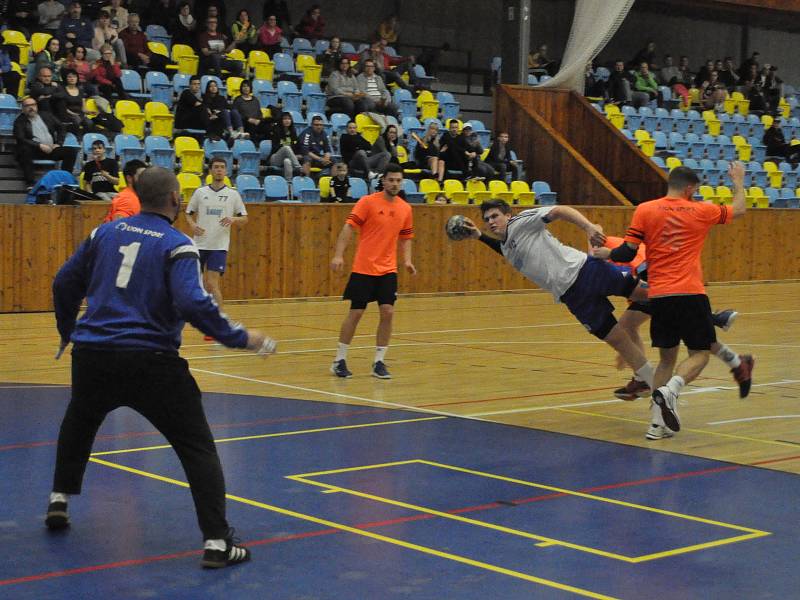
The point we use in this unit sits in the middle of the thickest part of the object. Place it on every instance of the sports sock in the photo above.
(341, 351)
(215, 545)
(380, 352)
(58, 497)
(645, 373)
(728, 356)
(675, 384)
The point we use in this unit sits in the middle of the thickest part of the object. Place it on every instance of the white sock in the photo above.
(728, 356)
(215, 545)
(341, 351)
(645, 373)
(380, 352)
(675, 384)
(58, 497)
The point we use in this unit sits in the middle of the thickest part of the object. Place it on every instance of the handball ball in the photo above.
(455, 228)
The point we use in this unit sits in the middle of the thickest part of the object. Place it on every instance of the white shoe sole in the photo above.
(669, 410)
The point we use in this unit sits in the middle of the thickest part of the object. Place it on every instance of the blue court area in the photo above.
(340, 501)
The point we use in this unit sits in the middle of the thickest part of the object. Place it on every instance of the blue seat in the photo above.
(298, 120)
(347, 48)
(649, 120)
(713, 147)
(728, 125)
(302, 46)
(314, 97)
(659, 162)
(666, 94)
(249, 188)
(633, 120)
(218, 149)
(628, 134)
(180, 81)
(160, 152)
(265, 149)
(789, 174)
(696, 122)
(680, 121)
(412, 195)
(266, 94)
(247, 157)
(772, 194)
(159, 87)
(791, 199)
(423, 79)
(661, 140)
(89, 138)
(339, 123)
(275, 188)
(156, 33)
(128, 148)
(9, 110)
(691, 163)
(755, 126)
(450, 108)
(709, 169)
(479, 128)
(533, 80)
(132, 83)
(759, 152)
(740, 125)
(358, 188)
(405, 102)
(678, 144)
(289, 95)
(204, 84)
(320, 46)
(284, 67)
(664, 120)
(543, 194)
(303, 189)
(758, 175)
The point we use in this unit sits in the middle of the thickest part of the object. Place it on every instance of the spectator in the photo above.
(244, 32)
(184, 27)
(383, 63)
(704, 73)
(441, 198)
(776, 144)
(280, 11)
(160, 12)
(685, 77)
(753, 90)
(100, 174)
(747, 65)
(340, 184)
(499, 158)
(190, 112)
(357, 154)
(540, 63)
(285, 145)
(645, 83)
(344, 95)
(107, 74)
(311, 26)
(646, 54)
(136, 49)
(72, 99)
(221, 121)
(728, 75)
(9, 79)
(388, 29)
(593, 86)
(387, 142)
(76, 60)
(469, 144)
(620, 84)
(248, 109)
(92, 8)
(76, 31)
(104, 33)
(46, 92)
(213, 47)
(376, 97)
(713, 92)
(773, 86)
(24, 17)
(118, 14)
(332, 56)
(50, 13)
(669, 73)
(428, 151)
(126, 203)
(50, 57)
(269, 36)
(214, 12)
(314, 146)
(38, 137)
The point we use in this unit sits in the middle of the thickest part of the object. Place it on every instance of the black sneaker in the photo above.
(232, 555)
(724, 319)
(339, 368)
(379, 370)
(57, 517)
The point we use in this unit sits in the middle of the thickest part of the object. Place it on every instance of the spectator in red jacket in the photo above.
(135, 41)
(269, 36)
(311, 26)
(107, 74)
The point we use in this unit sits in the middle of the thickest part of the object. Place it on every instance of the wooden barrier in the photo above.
(284, 251)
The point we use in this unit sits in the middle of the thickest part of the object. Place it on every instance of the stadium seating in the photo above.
(160, 153)
(188, 183)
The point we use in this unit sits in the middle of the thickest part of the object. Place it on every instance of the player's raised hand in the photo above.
(595, 234)
(474, 232)
(736, 171)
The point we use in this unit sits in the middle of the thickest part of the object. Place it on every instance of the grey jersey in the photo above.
(538, 255)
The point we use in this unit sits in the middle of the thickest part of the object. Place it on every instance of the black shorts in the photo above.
(643, 307)
(687, 318)
(362, 289)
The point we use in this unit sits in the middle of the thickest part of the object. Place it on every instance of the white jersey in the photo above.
(210, 207)
(538, 255)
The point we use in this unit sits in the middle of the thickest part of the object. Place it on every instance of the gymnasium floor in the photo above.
(496, 464)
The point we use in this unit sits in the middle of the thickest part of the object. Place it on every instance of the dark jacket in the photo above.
(188, 113)
(23, 130)
(350, 144)
(493, 156)
(279, 133)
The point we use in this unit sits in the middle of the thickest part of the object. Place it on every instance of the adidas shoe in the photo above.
(724, 319)
(379, 370)
(232, 555)
(667, 401)
(339, 368)
(57, 517)
(633, 389)
(658, 432)
(743, 374)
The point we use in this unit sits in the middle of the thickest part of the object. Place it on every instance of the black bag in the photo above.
(107, 121)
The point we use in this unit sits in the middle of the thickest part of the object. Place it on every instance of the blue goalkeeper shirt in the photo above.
(141, 278)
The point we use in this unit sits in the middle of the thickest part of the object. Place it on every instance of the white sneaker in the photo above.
(658, 432)
(667, 401)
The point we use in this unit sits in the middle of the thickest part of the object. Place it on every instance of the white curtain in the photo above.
(594, 24)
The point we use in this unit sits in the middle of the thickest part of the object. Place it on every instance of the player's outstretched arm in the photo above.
(566, 213)
(736, 173)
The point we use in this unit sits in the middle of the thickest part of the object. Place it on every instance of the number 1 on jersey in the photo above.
(129, 254)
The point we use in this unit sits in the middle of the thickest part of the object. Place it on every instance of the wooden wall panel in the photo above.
(285, 251)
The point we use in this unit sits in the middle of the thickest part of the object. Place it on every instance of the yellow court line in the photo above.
(751, 533)
(376, 536)
(273, 435)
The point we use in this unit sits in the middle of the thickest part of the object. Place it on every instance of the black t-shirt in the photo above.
(91, 173)
(340, 189)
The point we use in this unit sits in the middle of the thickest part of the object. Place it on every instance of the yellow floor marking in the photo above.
(545, 544)
(273, 435)
(375, 536)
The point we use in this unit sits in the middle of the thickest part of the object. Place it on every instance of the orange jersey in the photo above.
(675, 230)
(124, 204)
(381, 223)
(615, 242)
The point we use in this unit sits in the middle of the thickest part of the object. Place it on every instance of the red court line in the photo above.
(516, 397)
(774, 460)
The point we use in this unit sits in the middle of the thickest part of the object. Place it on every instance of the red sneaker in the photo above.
(633, 390)
(743, 374)
(208, 338)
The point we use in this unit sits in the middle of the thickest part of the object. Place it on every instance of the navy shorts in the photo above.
(587, 298)
(213, 260)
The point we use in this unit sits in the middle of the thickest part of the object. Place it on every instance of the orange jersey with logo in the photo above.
(381, 223)
(675, 230)
(125, 204)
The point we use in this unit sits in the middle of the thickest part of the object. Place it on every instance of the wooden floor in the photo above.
(514, 358)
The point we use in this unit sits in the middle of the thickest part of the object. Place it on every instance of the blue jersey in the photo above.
(141, 278)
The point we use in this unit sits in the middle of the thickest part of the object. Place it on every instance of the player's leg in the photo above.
(741, 366)
(360, 291)
(631, 320)
(385, 294)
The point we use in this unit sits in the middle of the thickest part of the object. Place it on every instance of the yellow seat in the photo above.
(160, 48)
(324, 186)
(185, 58)
(784, 108)
(724, 195)
(431, 189)
(611, 109)
(188, 182)
(774, 173)
(121, 184)
(260, 65)
(233, 84)
(22, 78)
(673, 161)
(312, 72)
(500, 190)
(402, 158)
(522, 193)
(39, 41)
(694, 96)
(91, 108)
(616, 119)
(645, 142)
(227, 180)
(767, 120)
(237, 55)
(707, 192)
(712, 122)
(162, 122)
(756, 198)
(742, 104)
(743, 148)
(428, 105)
(729, 105)
(368, 128)
(477, 191)
(188, 151)
(131, 116)
(454, 190)
(18, 39)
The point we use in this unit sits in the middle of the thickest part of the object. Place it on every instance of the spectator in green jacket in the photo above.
(645, 82)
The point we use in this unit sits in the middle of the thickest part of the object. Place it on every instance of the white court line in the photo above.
(33, 385)
(769, 312)
(754, 419)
